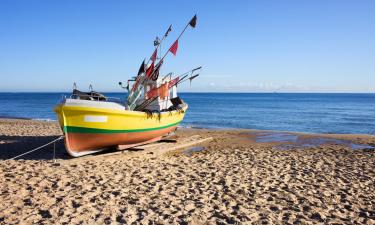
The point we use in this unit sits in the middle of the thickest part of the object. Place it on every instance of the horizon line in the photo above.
(196, 92)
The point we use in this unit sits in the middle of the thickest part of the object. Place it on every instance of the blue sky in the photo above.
(244, 46)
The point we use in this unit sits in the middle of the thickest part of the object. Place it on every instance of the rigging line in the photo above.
(37, 148)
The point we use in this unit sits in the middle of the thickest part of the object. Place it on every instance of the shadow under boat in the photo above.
(12, 146)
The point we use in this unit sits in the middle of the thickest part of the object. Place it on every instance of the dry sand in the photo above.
(233, 180)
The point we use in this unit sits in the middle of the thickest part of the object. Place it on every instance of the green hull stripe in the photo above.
(71, 129)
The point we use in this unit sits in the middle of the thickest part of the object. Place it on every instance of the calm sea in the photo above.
(316, 113)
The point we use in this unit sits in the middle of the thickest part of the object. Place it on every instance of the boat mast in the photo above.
(137, 90)
(132, 99)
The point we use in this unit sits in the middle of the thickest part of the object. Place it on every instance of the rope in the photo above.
(57, 139)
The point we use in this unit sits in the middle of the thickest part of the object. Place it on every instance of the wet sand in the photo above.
(232, 179)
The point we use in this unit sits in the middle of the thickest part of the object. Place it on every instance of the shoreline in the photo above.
(14, 118)
(220, 128)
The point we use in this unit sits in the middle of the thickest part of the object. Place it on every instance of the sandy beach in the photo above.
(234, 179)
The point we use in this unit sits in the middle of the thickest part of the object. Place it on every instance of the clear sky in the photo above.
(244, 46)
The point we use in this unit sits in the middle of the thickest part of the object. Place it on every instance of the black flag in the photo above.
(157, 41)
(142, 68)
(155, 74)
(169, 30)
(193, 21)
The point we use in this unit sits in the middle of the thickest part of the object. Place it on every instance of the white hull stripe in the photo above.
(97, 119)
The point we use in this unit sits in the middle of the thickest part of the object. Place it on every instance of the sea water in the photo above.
(314, 113)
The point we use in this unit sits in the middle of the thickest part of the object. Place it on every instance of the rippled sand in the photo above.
(233, 180)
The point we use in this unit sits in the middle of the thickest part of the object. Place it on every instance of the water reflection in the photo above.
(192, 150)
(288, 141)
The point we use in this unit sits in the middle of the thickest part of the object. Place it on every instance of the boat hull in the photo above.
(91, 129)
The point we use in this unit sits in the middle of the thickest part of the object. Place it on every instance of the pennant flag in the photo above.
(169, 30)
(173, 82)
(142, 68)
(150, 69)
(193, 21)
(154, 55)
(174, 47)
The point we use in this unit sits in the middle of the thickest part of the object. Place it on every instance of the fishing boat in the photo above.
(92, 122)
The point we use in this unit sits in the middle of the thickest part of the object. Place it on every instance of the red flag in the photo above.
(150, 69)
(154, 55)
(173, 82)
(174, 47)
(161, 91)
(152, 93)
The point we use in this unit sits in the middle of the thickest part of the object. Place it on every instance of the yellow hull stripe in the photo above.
(74, 119)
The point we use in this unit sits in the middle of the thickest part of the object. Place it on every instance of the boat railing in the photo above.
(95, 98)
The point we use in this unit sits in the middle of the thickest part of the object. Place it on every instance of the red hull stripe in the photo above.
(79, 142)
